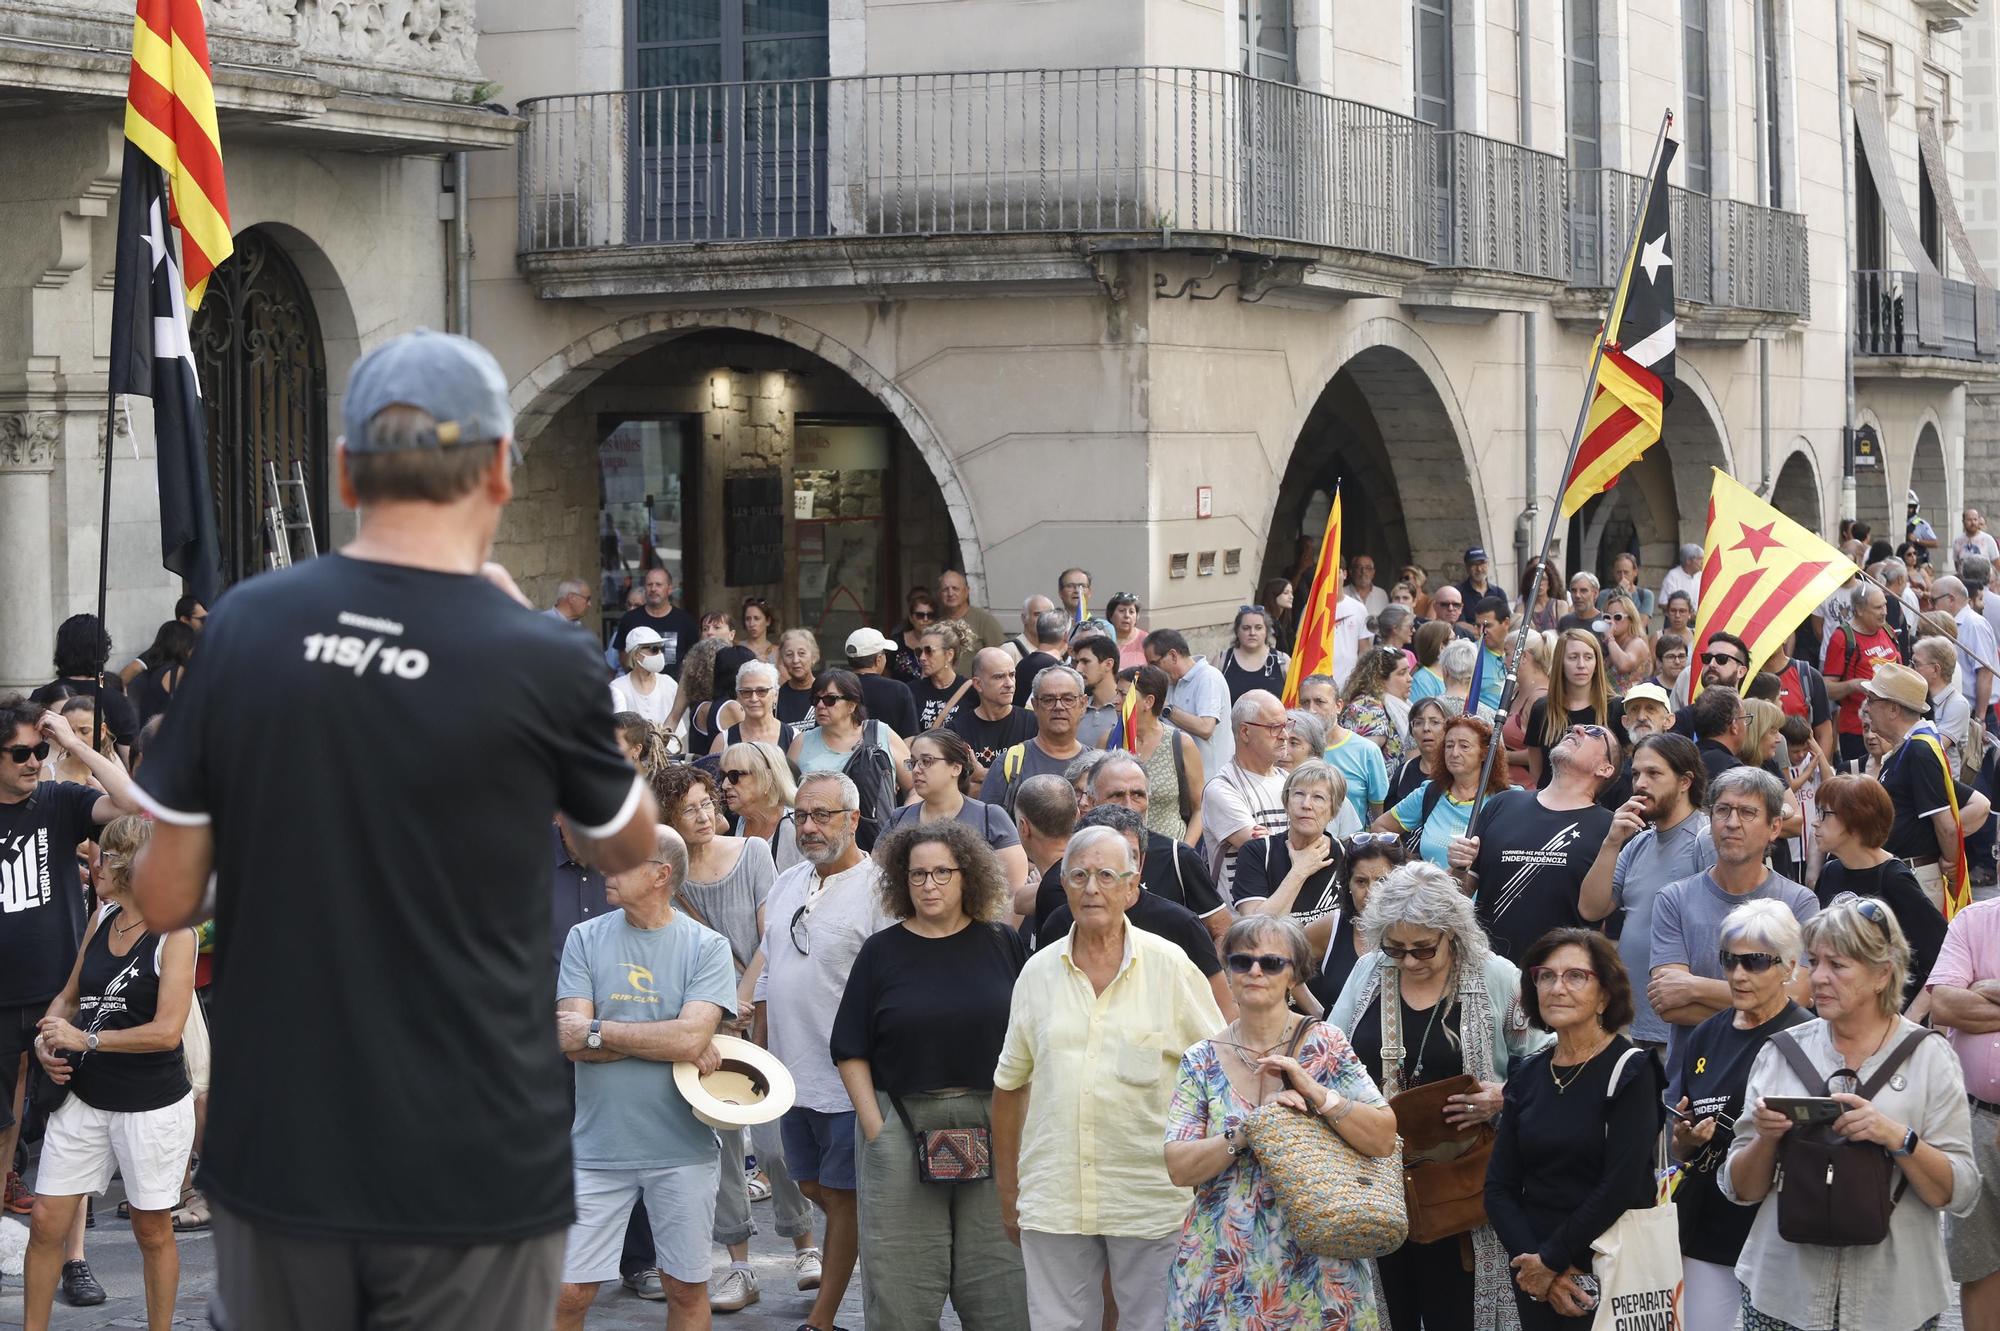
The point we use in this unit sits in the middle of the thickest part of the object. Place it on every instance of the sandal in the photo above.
(124, 1210)
(192, 1213)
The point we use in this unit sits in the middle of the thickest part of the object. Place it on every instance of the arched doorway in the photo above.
(1871, 490)
(1382, 433)
(1931, 484)
(1797, 493)
(262, 366)
(749, 467)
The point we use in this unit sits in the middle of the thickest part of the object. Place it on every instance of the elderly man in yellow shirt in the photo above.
(1098, 1026)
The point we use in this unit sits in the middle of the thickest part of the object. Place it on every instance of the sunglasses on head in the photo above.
(1270, 962)
(1754, 962)
(20, 753)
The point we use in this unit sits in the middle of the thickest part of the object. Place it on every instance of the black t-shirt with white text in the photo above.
(1531, 866)
(41, 894)
(378, 751)
(931, 702)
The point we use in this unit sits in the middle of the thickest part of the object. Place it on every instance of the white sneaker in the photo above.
(805, 1261)
(736, 1291)
(760, 1187)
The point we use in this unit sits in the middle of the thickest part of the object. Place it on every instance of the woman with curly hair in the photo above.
(1366, 708)
(917, 1038)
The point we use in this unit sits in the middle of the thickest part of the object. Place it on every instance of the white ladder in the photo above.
(290, 512)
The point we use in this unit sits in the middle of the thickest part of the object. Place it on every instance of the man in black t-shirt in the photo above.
(677, 628)
(1530, 850)
(1926, 831)
(1049, 630)
(887, 700)
(366, 753)
(41, 894)
(994, 723)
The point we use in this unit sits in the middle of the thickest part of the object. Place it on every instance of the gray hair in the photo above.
(1767, 924)
(1089, 838)
(1315, 771)
(571, 587)
(1308, 728)
(1977, 570)
(850, 794)
(1749, 781)
(1868, 591)
(1114, 758)
(1285, 931)
(1050, 626)
(749, 671)
(1116, 817)
(1391, 619)
(1421, 894)
(1844, 931)
(1894, 571)
(1590, 578)
(1249, 707)
(1084, 765)
(806, 634)
(1938, 650)
(1028, 604)
(1326, 681)
(670, 850)
(1035, 685)
(1457, 659)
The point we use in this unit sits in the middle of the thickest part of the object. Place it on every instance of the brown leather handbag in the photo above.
(1444, 1167)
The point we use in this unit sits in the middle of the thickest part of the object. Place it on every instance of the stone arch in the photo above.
(1797, 493)
(550, 386)
(1383, 422)
(1930, 478)
(1872, 489)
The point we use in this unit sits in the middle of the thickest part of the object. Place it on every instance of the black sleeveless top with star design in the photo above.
(117, 993)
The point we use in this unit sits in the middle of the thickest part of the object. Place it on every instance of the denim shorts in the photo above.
(819, 1148)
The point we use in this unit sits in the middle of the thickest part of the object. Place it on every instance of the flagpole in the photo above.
(104, 548)
(1541, 572)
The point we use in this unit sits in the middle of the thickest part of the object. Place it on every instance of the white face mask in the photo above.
(653, 663)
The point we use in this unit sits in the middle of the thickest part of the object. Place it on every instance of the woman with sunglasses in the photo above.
(757, 625)
(1578, 1129)
(748, 718)
(1855, 817)
(1235, 1261)
(843, 723)
(916, 1039)
(757, 790)
(1123, 612)
(727, 884)
(1458, 1013)
(919, 615)
(941, 775)
(1920, 1117)
(1760, 949)
(1580, 694)
(1631, 659)
(798, 659)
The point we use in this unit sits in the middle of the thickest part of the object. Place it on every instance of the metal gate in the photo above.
(263, 381)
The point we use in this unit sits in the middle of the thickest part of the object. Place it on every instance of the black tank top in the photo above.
(734, 735)
(116, 994)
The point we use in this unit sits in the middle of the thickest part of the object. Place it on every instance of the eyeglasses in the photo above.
(20, 753)
(1546, 977)
(1424, 952)
(923, 762)
(1594, 732)
(1075, 586)
(696, 810)
(1754, 962)
(1268, 962)
(1721, 658)
(1867, 907)
(1279, 726)
(1105, 879)
(1735, 813)
(802, 929)
(923, 615)
(1059, 701)
(731, 775)
(1241, 609)
(918, 877)
(830, 699)
(748, 691)
(1618, 619)
(821, 817)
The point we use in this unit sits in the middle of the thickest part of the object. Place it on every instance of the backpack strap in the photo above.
(1896, 1059)
(1795, 1054)
(1617, 1069)
(1010, 765)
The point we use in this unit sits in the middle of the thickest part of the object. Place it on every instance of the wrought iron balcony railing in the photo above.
(1890, 318)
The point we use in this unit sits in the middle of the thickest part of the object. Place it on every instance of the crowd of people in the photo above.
(1032, 966)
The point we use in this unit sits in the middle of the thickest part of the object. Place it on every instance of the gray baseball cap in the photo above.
(452, 378)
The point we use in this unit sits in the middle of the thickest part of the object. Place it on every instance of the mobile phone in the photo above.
(1686, 1118)
(1807, 1110)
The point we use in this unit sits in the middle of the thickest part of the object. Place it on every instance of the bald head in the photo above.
(993, 678)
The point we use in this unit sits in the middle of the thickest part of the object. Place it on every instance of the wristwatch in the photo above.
(1166, 711)
(1229, 1138)
(90, 1042)
(1909, 1146)
(594, 1040)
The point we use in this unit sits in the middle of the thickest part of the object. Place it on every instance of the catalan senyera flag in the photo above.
(1125, 731)
(170, 117)
(1957, 891)
(1313, 654)
(1629, 399)
(1761, 574)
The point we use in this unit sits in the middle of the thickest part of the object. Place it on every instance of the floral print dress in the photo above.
(1369, 718)
(1236, 1268)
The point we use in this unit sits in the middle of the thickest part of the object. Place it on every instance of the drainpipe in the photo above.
(461, 244)
(1525, 525)
(1847, 255)
(1764, 113)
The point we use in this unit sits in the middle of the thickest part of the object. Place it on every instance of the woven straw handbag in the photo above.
(1337, 1201)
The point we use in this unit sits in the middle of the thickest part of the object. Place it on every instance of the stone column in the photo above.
(27, 622)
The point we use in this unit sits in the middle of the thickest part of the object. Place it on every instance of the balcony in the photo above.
(1032, 175)
(1900, 334)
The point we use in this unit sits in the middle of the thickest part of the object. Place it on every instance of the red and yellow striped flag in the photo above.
(1761, 574)
(170, 116)
(1314, 653)
(1624, 422)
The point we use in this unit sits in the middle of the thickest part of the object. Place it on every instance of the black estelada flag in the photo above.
(152, 356)
(1643, 324)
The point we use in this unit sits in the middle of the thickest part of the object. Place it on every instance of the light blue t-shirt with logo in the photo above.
(629, 1115)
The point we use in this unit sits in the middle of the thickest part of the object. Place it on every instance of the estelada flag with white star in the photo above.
(1761, 574)
(1629, 400)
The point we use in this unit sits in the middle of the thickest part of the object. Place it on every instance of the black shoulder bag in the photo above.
(1833, 1192)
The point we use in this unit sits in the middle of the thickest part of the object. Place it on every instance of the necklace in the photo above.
(121, 928)
(1562, 1086)
(1252, 1058)
(1423, 1045)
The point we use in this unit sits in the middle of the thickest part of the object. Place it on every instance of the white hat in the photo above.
(750, 1087)
(642, 637)
(1651, 693)
(865, 642)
